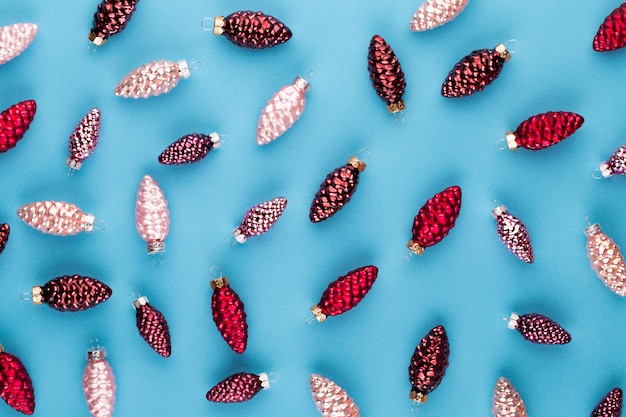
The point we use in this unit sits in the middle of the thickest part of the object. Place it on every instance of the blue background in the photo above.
(467, 282)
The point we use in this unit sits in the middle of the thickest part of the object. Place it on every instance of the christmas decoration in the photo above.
(152, 79)
(513, 234)
(111, 18)
(616, 164)
(152, 327)
(330, 399)
(428, 364)
(14, 39)
(539, 329)
(345, 293)
(282, 111)
(238, 388)
(506, 400)
(253, 30)
(152, 217)
(610, 405)
(475, 71)
(14, 122)
(435, 13)
(435, 219)
(84, 139)
(57, 218)
(260, 218)
(5, 230)
(336, 190)
(606, 259)
(71, 293)
(16, 387)
(99, 383)
(612, 32)
(189, 148)
(229, 315)
(386, 74)
(543, 130)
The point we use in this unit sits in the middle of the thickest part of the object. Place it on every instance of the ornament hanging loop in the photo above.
(231, 241)
(195, 65)
(408, 256)
(272, 377)
(397, 119)
(157, 258)
(215, 272)
(415, 407)
(596, 174)
(92, 47)
(512, 45)
(26, 296)
(366, 152)
(100, 224)
(309, 75)
(501, 144)
(94, 343)
(203, 24)
(493, 204)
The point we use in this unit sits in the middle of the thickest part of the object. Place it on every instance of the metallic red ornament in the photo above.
(16, 387)
(14, 39)
(84, 139)
(229, 315)
(539, 329)
(14, 122)
(57, 218)
(616, 164)
(475, 71)
(189, 148)
(5, 230)
(71, 293)
(612, 32)
(253, 30)
(543, 130)
(435, 219)
(260, 218)
(345, 293)
(610, 405)
(330, 399)
(428, 364)
(238, 388)
(152, 327)
(506, 401)
(152, 79)
(435, 13)
(99, 383)
(386, 74)
(111, 18)
(606, 259)
(336, 190)
(513, 234)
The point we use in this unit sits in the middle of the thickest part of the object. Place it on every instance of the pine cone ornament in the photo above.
(14, 122)
(152, 79)
(16, 387)
(475, 72)
(111, 18)
(606, 259)
(435, 219)
(229, 315)
(513, 234)
(14, 39)
(56, 218)
(84, 139)
(253, 30)
(5, 230)
(260, 218)
(71, 293)
(506, 401)
(152, 327)
(386, 74)
(434, 13)
(238, 388)
(612, 32)
(99, 383)
(428, 364)
(330, 399)
(616, 164)
(543, 130)
(610, 405)
(539, 329)
(152, 216)
(189, 149)
(345, 293)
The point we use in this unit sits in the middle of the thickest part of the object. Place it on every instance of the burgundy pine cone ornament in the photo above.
(84, 139)
(539, 329)
(16, 387)
(610, 405)
(428, 364)
(513, 234)
(152, 327)
(111, 18)
(71, 293)
(238, 388)
(229, 315)
(189, 149)
(5, 230)
(253, 30)
(612, 32)
(14, 122)
(543, 130)
(386, 74)
(260, 219)
(616, 164)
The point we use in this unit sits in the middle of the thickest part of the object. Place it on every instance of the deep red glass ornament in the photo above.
(238, 388)
(428, 364)
(543, 130)
(260, 219)
(513, 234)
(616, 164)
(84, 139)
(435, 219)
(5, 230)
(539, 329)
(386, 74)
(611, 34)
(71, 293)
(254, 30)
(189, 148)
(475, 71)
(345, 292)
(111, 18)
(152, 326)
(16, 387)
(14, 122)
(229, 315)
(610, 405)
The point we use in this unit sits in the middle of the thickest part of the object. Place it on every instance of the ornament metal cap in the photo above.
(239, 236)
(498, 211)
(302, 83)
(96, 354)
(503, 52)
(183, 69)
(218, 25)
(511, 140)
(215, 140)
(73, 163)
(418, 396)
(153, 248)
(592, 230)
(512, 324)
(140, 301)
(96, 40)
(415, 247)
(357, 163)
(265, 380)
(317, 312)
(604, 170)
(90, 221)
(1, 348)
(396, 107)
(220, 282)
(37, 295)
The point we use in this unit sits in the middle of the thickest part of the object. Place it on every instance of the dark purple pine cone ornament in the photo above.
(84, 139)
(238, 388)
(111, 17)
(5, 230)
(253, 30)
(612, 32)
(71, 293)
(544, 130)
(513, 234)
(386, 74)
(14, 122)
(610, 405)
(190, 148)
(428, 364)
(260, 218)
(539, 329)
(153, 327)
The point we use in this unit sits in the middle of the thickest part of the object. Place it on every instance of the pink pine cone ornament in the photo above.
(99, 383)
(434, 13)
(606, 259)
(616, 164)
(611, 34)
(282, 111)
(152, 79)
(5, 231)
(610, 405)
(152, 217)
(260, 219)
(84, 139)
(14, 39)
(56, 218)
(330, 399)
(238, 388)
(189, 149)
(152, 327)
(14, 122)
(513, 234)
(254, 30)
(538, 328)
(506, 401)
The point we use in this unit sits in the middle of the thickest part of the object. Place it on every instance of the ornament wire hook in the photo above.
(135, 294)
(398, 120)
(415, 407)
(515, 44)
(232, 241)
(367, 154)
(501, 144)
(596, 174)
(100, 224)
(207, 19)
(70, 171)
(308, 75)
(272, 377)
(408, 256)
(157, 258)
(587, 220)
(215, 269)
(97, 343)
(195, 65)
(92, 47)
(26, 296)
(493, 204)
(223, 138)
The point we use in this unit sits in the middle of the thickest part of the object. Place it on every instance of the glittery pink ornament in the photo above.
(610, 405)
(152, 217)
(152, 79)
(260, 218)
(238, 388)
(434, 13)
(513, 234)
(506, 401)
(56, 218)
(616, 164)
(538, 328)
(330, 399)
(606, 259)
(282, 111)
(99, 383)
(14, 39)
(84, 139)
(189, 148)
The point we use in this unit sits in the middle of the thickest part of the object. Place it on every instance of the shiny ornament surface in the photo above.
(610, 405)
(152, 216)
(386, 74)
(345, 293)
(14, 122)
(513, 234)
(16, 387)
(153, 327)
(14, 39)
(282, 111)
(71, 293)
(5, 231)
(433, 13)
(330, 399)
(475, 72)
(189, 149)
(428, 364)
(111, 18)
(84, 139)
(152, 79)
(544, 130)
(616, 164)
(229, 315)
(260, 219)
(56, 218)
(606, 259)
(538, 328)
(238, 388)
(253, 30)
(506, 401)
(611, 34)
(99, 384)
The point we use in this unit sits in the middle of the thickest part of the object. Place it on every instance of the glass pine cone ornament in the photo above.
(611, 34)
(345, 292)
(152, 79)
(616, 164)
(434, 13)
(282, 111)
(544, 130)
(428, 364)
(260, 219)
(56, 218)
(254, 30)
(229, 314)
(238, 388)
(14, 122)
(14, 39)
(189, 149)
(152, 327)
(99, 383)
(386, 74)
(5, 231)
(16, 387)
(330, 399)
(513, 234)
(475, 72)
(71, 293)
(610, 405)
(506, 401)
(152, 216)
(84, 139)
(606, 259)
(538, 328)
(111, 18)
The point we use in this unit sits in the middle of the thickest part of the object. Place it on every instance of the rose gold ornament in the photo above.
(83, 140)
(506, 401)
(330, 399)
(606, 259)
(14, 39)
(434, 13)
(99, 383)
(57, 218)
(152, 79)
(152, 217)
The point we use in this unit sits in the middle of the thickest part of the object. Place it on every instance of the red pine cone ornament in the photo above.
(386, 74)
(253, 30)
(506, 401)
(610, 405)
(616, 164)
(428, 364)
(111, 18)
(229, 315)
(189, 149)
(238, 388)
(14, 39)
(14, 122)
(71, 293)
(435, 219)
(543, 130)
(260, 218)
(435, 13)
(152, 79)
(606, 259)
(475, 71)
(539, 329)
(330, 399)
(345, 292)
(16, 387)
(612, 32)
(153, 327)
(56, 218)
(5, 230)
(513, 234)
(84, 139)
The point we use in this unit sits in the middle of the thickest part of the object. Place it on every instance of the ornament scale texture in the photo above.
(616, 164)
(434, 13)
(84, 139)
(152, 79)
(513, 234)
(71, 293)
(606, 259)
(544, 130)
(386, 74)
(14, 39)
(152, 216)
(5, 231)
(428, 364)
(253, 30)
(260, 219)
(14, 122)
(238, 388)
(506, 401)
(538, 328)
(111, 18)
(99, 384)
(330, 399)
(16, 387)
(189, 149)
(152, 327)
(229, 315)
(610, 405)
(56, 218)
(611, 34)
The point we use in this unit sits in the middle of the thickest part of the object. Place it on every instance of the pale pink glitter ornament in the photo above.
(83, 140)
(152, 217)
(434, 13)
(260, 218)
(99, 383)
(506, 401)
(152, 79)
(330, 399)
(56, 218)
(282, 111)
(606, 259)
(14, 39)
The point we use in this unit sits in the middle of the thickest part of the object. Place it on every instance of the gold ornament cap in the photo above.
(503, 52)
(317, 312)
(357, 163)
(396, 107)
(220, 282)
(37, 295)
(218, 25)
(96, 40)
(418, 396)
(415, 247)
